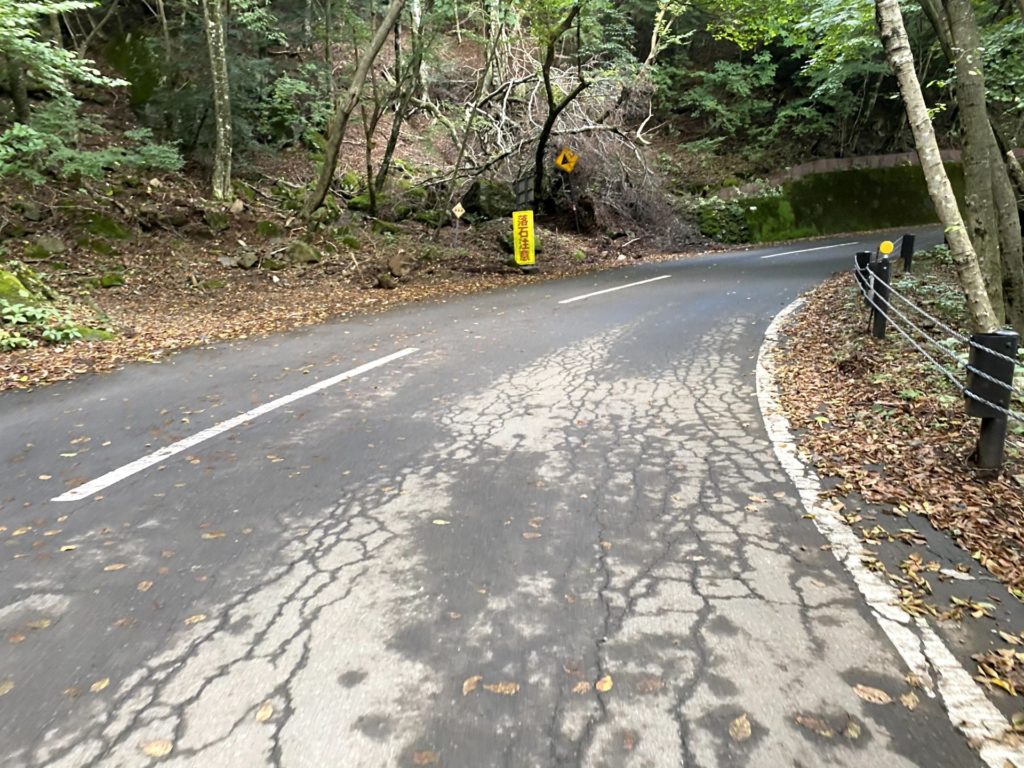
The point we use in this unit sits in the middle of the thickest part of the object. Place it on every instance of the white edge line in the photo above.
(119, 474)
(808, 250)
(923, 651)
(611, 290)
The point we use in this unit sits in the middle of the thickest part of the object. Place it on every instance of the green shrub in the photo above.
(49, 145)
(23, 326)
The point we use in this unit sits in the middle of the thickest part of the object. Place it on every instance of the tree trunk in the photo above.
(894, 37)
(55, 31)
(346, 105)
(1011, 247)
(555, 108)
(16, 85)
(213, 15)
(978, 145)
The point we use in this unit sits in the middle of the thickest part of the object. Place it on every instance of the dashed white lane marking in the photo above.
(808, 250)
(923, 651)
(119, 474)
(612, 290)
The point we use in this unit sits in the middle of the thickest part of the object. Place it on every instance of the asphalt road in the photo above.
(447, 558)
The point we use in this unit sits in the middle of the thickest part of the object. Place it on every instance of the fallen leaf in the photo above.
(46, 477)
(157, 748)
(581, 687)
(39, 624)
(606, 545)
(16, 638)
(265, 712)
(100, 685)
(144, 586)
(815, 724)
(507, 688)
(426, 757)
(604, 684)
(872, 695)
(212, 535)
(68, 548)
(439, 521)
(909, 700)
(6, 686)
(852, 730)
(739, 729)
(195, 619)
(534, 522)
(115, 567)
(470, 684)
(531, 535)
(20, 531)
(72, 693)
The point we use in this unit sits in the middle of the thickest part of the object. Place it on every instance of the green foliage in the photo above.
(49, 65)
(50, 146)
(1004, 65)
(295, 108)
(731, 97)
(23, 326)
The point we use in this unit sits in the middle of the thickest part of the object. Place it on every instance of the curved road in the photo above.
(448, 557)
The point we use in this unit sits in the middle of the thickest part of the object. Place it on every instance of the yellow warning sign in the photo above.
(887, 247)
(566, 160)
(522, 236)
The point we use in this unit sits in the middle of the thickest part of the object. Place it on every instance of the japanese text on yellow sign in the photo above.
(522, 236)
(566, 160)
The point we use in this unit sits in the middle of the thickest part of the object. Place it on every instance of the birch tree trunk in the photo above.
(213, 16)
(977, 142)
(897, 48)
(347, 103)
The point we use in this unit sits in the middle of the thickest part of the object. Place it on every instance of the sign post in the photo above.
(523, 239)
(459, 212)
(566, 161)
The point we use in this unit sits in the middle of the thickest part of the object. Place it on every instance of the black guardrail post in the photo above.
(907, 252)
(863, 259)
(988, 454)
(882, 270)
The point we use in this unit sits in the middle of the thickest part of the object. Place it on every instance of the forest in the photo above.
(313, 141)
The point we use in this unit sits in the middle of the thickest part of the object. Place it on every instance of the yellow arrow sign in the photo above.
(566, 160)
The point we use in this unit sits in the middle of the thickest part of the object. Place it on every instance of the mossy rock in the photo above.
(213, 284)
(303, 253)
(94, 334)
(273, 264)
(217, 221)
(430, 218)
(96, 245)
(104, 226)
(361, 203)
(268, 229)
(489, 199)
(384, 228)
(112, 280)
(45, 246)
(12, 289)
(351, 242)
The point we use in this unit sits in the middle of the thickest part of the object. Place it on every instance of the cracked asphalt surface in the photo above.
(434, 563)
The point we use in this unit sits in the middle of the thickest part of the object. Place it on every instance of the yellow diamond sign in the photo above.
(459, 211)
(566, 160)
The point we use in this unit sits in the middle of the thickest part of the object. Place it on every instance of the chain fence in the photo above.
(982, 375)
